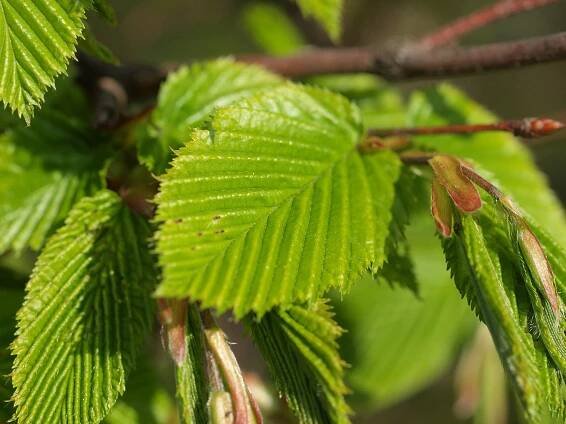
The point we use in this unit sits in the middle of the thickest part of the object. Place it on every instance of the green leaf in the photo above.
(86, 314)
(500, 154)
(301, 350)
(327, 12)
(494, 286)
(396, 343)
(44, 170)
(38, 38)
(271, 29)
(274, 204)
(187, 99)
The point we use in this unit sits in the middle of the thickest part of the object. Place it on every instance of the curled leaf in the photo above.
(538, 265)
(441, 209)
(448, 171)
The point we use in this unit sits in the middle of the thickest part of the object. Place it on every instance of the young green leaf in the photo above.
(188, 98)
(38, 39)
(85, 316)
(274, 204)
(327, 12)
(448, 172)
(301, 350)
(44, 170)
(491, 285)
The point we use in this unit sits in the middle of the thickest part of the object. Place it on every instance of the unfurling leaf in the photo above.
(506, 160)
(448, 172)
(186, 344)
(441, 208)
(538, 266)
(274, 204)
(483, 265)
(86, 313)
(301, 350)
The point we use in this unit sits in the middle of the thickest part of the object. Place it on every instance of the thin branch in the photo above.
(526, 128)
(412, 62)
(500, 10)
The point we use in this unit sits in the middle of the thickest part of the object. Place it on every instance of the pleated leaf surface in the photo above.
(301, 349)
(37, 40)
(85, 316)
(274, 204)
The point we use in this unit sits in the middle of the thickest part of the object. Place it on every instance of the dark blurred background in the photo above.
(161, 31)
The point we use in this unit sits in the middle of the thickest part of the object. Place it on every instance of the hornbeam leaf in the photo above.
(327, 12)
(37, 40)
(188, 98)
(274, 204)
(492, 286)
(44, 170)
(85, 316)
(301, 350)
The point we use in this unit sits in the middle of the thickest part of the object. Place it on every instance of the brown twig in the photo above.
(503, 9)
(526, 128)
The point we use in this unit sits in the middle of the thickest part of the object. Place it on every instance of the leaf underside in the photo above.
(301, 350)
(37, 40)
(274, 204)
(86, 313)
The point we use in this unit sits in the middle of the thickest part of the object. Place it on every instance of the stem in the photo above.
(527, 128)
(503, 9)
(244, 408)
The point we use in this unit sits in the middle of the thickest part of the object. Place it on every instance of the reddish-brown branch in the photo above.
(450, 33)
(413, 62)
(526, 128)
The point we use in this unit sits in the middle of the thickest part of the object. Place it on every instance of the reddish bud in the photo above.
(448, 171)
(535, 127)
(538, 265)
(441, 209)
